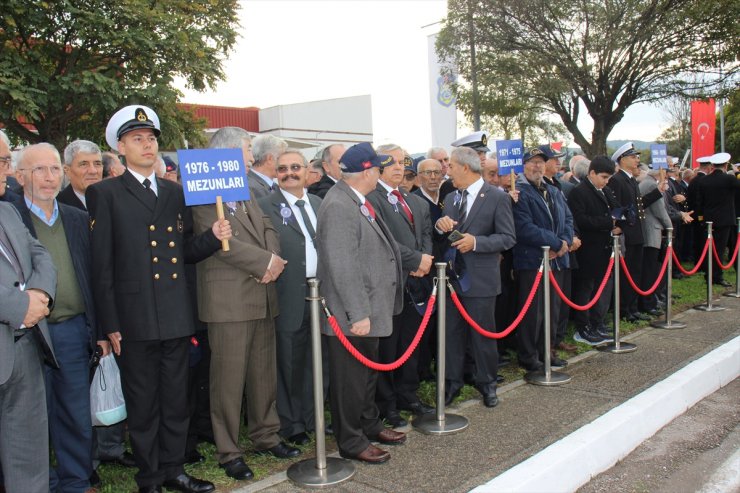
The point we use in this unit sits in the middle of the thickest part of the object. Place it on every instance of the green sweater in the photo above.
(69, 302)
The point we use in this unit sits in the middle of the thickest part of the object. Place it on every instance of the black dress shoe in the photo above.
(188, 484)
(300, 438)
(723, 283)
(237, 469)
(643, 316)
(450, 396)
(394, 419)
(490, 400)
(631, 317)
(151, 489)
(126, 460)
(655, 312)
(282, 451)
(417, 408)
(194, 457)
(499, 378)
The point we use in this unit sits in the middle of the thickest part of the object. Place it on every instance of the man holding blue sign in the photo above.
(140, 241)
(238, 299)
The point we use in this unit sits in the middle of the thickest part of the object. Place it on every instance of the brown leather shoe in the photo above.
(389, 437)
(371, 455)
(564, 346)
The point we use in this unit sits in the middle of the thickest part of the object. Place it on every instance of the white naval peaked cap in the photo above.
(627, 149)
(477, 141)
(720, 158)
(129, 118)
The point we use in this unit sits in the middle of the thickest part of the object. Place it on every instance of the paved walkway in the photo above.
(530, 418)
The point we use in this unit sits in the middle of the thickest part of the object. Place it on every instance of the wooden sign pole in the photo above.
(220, 214)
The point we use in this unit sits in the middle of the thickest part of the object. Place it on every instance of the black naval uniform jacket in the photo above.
(139, 256)
(628, 195)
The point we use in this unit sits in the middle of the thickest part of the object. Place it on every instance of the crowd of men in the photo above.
(208, 338)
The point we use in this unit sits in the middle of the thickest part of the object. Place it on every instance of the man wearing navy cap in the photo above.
(361, 279)
(140, 241)
(716, 200)
(698, 227)
(625, 188)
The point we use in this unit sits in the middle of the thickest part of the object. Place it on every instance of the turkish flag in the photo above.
(702, 129)
(557, 146)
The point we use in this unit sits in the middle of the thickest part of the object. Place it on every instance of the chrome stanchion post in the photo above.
(617, 346)
(669, 324)
(440, 423)
(322, 471)
(736, 294)
(710, 306)
(546, 376)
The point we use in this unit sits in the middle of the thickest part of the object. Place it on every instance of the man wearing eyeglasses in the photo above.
(237, 298)
(293, 212)
(6, 195)
(63, 230)
(83, 166)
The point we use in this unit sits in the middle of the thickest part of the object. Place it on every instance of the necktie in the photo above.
(11, 255)
(404, 206)
(151, 196)
(463, 207)
(306, 220)
(370, 209)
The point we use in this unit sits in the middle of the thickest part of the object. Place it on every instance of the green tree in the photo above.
(66, 66)
(732, 127)
(570, 57)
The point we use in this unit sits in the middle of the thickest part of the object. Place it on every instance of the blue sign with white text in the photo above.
(207, 173)
(659, 156)
(509, 154)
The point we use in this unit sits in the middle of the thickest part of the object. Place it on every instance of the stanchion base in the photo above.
(732, 295)
(707, 308)
(429, 425)
(669, 325)
(539, 378)
(624, 347)
(306, 474)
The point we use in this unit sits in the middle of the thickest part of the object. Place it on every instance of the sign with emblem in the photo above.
(209, 173)
(509, 154)
(659, 156)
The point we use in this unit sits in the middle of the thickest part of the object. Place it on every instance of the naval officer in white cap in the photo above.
(141, 234)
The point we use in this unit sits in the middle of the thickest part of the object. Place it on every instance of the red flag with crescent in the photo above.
(702, 129)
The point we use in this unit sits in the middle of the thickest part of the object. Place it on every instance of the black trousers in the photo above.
(354, 414)
(530, 333)
(154, 376)
(633, 256)
(584, 290)
(460, 335)
(199, 402)
(650, 271)
(721, 239)
(399, 386)
(561, 323)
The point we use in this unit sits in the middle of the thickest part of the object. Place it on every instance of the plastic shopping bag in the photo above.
(107, 405)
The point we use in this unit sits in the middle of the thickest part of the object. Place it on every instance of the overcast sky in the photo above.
(293, 51)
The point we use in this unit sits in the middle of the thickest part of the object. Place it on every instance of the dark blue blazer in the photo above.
(77, 230)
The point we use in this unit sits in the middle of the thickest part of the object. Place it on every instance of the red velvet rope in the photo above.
(590, 304)
(383, 366)
(734, 255)
(510, 328)
(657, 281)
(696, 268)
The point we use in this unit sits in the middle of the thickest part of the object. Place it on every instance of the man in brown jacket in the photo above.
(238, 300)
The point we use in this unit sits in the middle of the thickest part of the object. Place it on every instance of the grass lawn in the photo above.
(690, 291)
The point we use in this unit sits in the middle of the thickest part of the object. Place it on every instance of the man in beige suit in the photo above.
(238, 300)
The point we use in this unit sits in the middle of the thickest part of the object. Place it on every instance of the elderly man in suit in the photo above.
(64, 231)
(83, 166)
(238, 300)
(407, 218)
(293, 212)
(27, 285)
(361, 275)
(330, 163)
(482, 217)
(591, 203)
(141, 240)
(261, 176)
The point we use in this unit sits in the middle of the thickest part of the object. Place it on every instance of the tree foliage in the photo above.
(732, 127)
(567, 56)
(67, 65)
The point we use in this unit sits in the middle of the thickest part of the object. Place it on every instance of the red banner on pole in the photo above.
(702, 129)
(557, 146)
